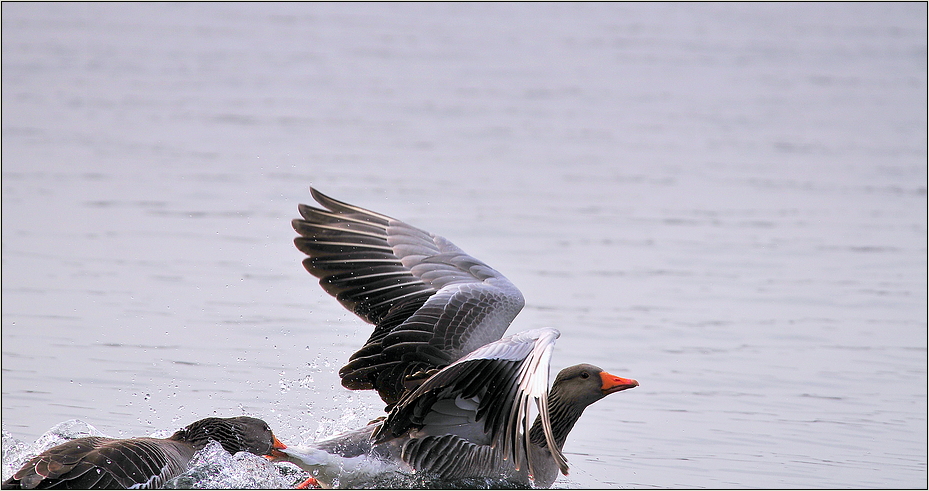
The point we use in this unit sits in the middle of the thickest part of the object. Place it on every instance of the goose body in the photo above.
(471, 419)
(141, 463)
(458, 394)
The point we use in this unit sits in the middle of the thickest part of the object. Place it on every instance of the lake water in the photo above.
(726, 202)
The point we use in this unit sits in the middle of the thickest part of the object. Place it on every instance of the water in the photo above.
(725, 202)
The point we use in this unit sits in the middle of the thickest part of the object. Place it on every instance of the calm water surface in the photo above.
(725, 202)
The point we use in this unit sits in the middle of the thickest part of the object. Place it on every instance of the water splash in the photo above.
(214, 468)
(16, 452)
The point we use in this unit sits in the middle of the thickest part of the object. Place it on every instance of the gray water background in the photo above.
(726, 202)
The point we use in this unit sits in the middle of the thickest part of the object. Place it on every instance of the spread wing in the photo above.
(100, 463)
(474, 413)
(430, 302)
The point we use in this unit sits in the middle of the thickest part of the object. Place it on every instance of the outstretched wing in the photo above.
(475, 412)
(430, 302)
(101, 463)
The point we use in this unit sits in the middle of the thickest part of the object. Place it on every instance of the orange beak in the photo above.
(276, 449)
(612, 383)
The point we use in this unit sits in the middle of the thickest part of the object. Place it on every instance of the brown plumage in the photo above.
(108, 463)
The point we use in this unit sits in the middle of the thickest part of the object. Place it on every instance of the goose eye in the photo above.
(585, 375)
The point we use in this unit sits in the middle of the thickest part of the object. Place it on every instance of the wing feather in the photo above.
(490, 388)
(97, 462)
(430, 302)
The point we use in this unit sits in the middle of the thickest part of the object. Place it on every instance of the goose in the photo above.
(456, 391)
(139, 463)
(471, 420)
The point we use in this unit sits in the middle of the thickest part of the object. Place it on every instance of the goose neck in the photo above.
(563, 415)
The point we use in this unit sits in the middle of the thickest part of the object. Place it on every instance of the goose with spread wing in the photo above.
(457, 394)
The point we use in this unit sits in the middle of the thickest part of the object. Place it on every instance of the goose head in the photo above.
(237, 434)
(586, 384)
(573, 390)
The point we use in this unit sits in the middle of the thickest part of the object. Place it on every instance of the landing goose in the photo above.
(471, 419)
(457, 394)
(141, 463)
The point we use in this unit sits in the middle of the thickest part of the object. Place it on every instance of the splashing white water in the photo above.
(214, 468)
(16, 452)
